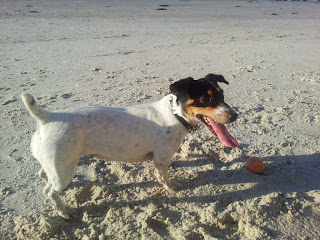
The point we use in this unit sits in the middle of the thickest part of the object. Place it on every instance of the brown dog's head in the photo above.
(203, 99)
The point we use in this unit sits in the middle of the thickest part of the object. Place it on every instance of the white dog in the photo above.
(140, 133)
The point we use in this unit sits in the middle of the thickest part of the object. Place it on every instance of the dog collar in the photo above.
(190, 127)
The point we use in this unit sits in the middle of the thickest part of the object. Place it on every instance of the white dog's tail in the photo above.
(37, 113)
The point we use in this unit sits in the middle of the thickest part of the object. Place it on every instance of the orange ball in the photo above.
(255, 165)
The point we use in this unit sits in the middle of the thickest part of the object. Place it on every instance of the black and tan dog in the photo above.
(139, 133)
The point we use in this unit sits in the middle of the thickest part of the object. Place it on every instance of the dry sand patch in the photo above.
(118, 53)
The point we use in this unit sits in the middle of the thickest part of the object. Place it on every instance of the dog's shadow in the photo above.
(283, 174)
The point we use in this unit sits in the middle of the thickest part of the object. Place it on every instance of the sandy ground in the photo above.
(120, 53)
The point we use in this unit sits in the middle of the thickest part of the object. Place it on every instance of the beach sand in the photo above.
(121, 53)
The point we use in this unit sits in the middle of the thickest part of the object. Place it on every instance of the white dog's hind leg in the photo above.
(61, 209)
(58, 178)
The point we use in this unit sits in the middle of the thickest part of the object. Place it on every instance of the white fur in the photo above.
(131, 134)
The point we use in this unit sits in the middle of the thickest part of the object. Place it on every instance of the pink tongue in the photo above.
(223, 134)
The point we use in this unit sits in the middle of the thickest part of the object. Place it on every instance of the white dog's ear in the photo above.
(181, 87)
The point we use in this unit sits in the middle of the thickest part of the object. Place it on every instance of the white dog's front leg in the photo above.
(162, 176)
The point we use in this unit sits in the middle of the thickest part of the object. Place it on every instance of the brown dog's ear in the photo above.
(180, 88)
(216, 78)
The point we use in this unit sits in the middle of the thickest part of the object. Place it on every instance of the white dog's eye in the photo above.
(203, 99)
(206, 99)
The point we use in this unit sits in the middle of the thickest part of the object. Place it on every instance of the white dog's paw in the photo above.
(173, 186)
(68, 213)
